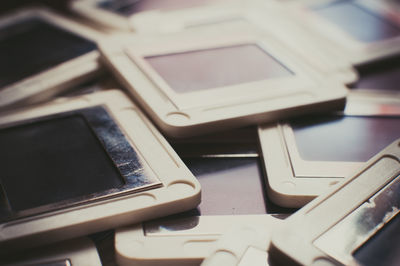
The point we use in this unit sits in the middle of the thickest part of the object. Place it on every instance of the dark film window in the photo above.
(64, 160)
(33, 45)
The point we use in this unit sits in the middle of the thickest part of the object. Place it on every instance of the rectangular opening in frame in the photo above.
(217, 67)
(343, 138)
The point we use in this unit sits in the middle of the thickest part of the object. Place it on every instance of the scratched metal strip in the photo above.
(352, 232)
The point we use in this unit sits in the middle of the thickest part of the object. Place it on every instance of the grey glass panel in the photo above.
(66, 159)
(384, 248)
(229, 186)
(232, 186)
(213, 68)
(33, 45)
(350, 138)
(129, 7)
(359, 22)
(382, 75)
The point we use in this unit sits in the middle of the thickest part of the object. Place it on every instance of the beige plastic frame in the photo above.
(284, 164)
(152, 243)
(242, 245)
(371, 104)
(331, 38)
(44, 85)
(179, 189)
(159, 20)
(230, 15)
(274, 18)
(319, 219)
(250, 15)
(372, 98)
(135, 246)
(191, 113)
(80, 251)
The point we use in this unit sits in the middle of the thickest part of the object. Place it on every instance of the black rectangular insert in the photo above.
(66, 159)
(33, 45)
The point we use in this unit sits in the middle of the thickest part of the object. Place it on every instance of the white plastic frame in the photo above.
(226, 16)
(135, 246)
(45, 84)
(159, 20)
(80, 251)
(308, 246)
(183, 240)
(180, 190)
(242, 245)
(331, 37)
(274, 17)
(191, 113)
(375, 97)
(272, 20)
(292, 181)
(371, 104)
